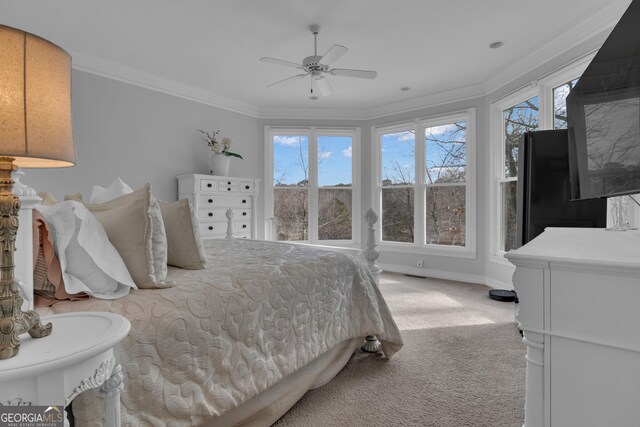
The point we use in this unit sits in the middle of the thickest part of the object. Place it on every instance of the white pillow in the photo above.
(117, 188)
(88, 260)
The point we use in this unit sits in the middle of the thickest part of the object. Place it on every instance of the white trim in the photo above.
(418, 126)
(436, 274)
(496, 167)
(130, 76)
(313, 132)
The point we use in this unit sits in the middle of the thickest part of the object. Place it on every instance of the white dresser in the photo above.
(212, 195)
(579, 292)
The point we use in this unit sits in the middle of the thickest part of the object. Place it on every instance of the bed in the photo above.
(239, 342)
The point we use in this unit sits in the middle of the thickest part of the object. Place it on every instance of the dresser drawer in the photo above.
(247, 187)
(213, 228)
(220, 214)
(220, 201)
(208, 185)
(224, 187)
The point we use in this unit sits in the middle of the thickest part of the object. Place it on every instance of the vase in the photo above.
(220, 164)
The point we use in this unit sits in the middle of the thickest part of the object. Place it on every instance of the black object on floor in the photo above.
(503, 295)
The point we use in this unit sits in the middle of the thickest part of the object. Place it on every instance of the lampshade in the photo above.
(35, 101)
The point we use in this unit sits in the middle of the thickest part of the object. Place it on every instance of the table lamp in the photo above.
(35, 132)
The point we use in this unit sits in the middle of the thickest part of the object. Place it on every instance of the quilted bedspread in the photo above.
(257, 313)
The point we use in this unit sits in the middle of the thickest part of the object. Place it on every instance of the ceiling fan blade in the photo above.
(288, 79)
(280, 62)
(361, 74)
(323, 86)
(334, 52)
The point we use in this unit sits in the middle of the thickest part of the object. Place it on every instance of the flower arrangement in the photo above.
(219, 146)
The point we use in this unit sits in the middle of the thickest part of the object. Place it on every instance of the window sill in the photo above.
(443, 251)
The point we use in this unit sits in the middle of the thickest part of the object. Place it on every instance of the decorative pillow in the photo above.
(130, 224)
(88, 261)
(184, 245)
(117, 188)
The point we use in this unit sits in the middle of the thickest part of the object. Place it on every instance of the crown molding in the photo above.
(427, 101)
(588, 29)
(312, 113)
(127, 75)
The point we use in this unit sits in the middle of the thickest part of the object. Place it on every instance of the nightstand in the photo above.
(77, 356)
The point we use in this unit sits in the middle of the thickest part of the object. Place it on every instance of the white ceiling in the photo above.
(209, 50)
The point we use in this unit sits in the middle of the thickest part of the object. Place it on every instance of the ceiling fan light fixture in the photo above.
(316, 65)
(496, 45)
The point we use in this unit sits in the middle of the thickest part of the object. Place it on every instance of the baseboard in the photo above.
(497, 284)
(437, 274)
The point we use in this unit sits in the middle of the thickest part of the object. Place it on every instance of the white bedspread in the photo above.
(259, 312)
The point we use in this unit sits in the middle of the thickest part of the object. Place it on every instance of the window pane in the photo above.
(509, 214)
(334, 161)
(397, 214)
(560, 104)
(291, 161)
(334, 214)
(290, 207)
(398, 158)
(446, 154)
(445, 210)
(520, 118)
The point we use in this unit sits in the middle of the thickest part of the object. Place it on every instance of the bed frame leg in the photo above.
(371, 344)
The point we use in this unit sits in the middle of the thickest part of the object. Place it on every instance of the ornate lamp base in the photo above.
(13, 321)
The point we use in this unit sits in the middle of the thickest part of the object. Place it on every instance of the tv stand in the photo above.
(579, 290)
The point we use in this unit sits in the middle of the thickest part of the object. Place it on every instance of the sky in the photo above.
(335, 155)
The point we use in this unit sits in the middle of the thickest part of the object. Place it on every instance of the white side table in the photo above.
(77, 356)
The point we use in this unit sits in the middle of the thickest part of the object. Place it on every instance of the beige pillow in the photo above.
(184, 245)
(129, 223)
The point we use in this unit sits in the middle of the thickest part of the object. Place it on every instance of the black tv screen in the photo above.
(603, 112)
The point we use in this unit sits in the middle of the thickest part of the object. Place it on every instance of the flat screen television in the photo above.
(603, 114)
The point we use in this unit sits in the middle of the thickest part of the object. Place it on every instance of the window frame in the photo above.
(420, 222)
(313, 132)
(543, 89)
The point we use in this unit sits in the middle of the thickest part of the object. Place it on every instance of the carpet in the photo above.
(462, 365)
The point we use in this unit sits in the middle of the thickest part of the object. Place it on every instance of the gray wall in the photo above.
(144, 136)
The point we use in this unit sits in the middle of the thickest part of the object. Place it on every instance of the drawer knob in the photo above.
(210, 213)
(244, 225)
(209, 185)
(210, 200)
(210, 227)
(228, 182)
(229, 189)
(244, 201)
(244, 214)
(246, 187)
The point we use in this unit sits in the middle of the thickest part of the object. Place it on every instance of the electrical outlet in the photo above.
(420, 264)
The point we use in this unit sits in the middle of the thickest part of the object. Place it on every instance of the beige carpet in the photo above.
(462, 365)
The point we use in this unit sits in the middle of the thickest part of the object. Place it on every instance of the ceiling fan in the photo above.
(316, 66)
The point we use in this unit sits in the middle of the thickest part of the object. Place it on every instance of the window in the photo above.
(313, 185)
(516, 120)
(429, 211)
(541, 105)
